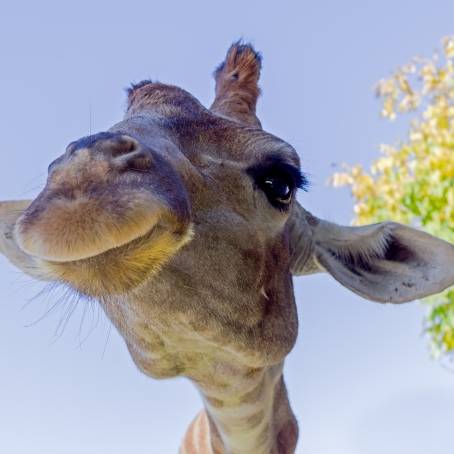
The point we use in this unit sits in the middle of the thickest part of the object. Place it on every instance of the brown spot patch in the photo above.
(255, 419)
(255, 394)
(215, 403)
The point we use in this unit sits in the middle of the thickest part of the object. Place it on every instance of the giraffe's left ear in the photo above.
(385, 262)
(9, 213)
(237, 87)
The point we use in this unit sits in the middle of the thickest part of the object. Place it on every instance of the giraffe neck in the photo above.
(255, 419)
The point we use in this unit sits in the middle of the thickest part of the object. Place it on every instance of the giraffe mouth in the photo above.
(99, 248)
(65, 230)
(121, 268)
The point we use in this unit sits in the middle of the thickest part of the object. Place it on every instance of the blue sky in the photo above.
(360, 378)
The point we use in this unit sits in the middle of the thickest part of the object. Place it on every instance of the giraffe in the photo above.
(182, 222)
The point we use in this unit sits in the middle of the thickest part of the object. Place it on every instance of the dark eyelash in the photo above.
(276, 167)
(298, 179)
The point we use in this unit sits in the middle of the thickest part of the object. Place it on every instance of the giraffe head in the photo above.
(119, 205)
(203, 200)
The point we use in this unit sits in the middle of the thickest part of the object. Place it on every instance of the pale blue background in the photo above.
(360, 377)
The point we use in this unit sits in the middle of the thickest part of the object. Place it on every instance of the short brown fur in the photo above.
(182, 222)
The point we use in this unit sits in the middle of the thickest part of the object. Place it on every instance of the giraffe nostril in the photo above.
(134, 160)
(107, 143)
(122, 146)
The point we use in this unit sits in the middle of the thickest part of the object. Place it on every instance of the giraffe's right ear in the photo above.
(237, 87)
(9, 213)
(385, 262)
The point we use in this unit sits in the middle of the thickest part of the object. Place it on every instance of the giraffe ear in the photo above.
(237, 87)
(386, 262)
(9, 213)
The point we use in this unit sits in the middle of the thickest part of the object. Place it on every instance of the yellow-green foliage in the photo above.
(413, 182)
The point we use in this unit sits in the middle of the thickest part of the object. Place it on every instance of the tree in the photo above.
(413, 181)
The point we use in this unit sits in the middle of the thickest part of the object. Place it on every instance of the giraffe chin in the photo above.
(121, 269)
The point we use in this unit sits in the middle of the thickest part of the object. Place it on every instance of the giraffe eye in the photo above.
(278, 189)
(278, 180)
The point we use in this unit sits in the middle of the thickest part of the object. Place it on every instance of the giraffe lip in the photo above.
(122, 268)
(117, 250)
(62, 230)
